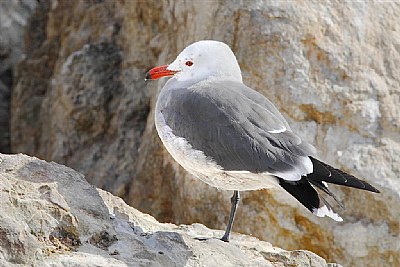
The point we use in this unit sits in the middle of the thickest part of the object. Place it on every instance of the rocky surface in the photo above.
(79, 98)
(50, 216)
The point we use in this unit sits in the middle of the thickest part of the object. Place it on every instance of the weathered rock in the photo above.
(13, 19)
(50, 216)
(96, 107)
(80, 99)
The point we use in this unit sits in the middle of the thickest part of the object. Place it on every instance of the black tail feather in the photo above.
(324, 188)
(325, 173)
(303, 192)
(306, 194)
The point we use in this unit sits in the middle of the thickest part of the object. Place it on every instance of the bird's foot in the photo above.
(225, 238)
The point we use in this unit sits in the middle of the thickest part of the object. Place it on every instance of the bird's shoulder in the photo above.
(242, 104)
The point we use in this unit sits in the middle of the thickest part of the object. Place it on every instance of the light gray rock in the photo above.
(50, 216)
(331, 68)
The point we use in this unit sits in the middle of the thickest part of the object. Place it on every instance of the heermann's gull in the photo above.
(232, 137)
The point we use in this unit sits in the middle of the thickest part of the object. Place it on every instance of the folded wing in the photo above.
(238, 128)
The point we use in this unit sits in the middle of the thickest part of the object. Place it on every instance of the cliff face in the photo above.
(13, 20)
(79, 98)
(50, 216)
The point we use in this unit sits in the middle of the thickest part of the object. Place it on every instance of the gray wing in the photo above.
(232, 125)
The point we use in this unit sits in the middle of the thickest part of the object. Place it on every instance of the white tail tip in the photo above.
(325, 211)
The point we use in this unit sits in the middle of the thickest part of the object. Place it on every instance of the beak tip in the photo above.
(159, 72)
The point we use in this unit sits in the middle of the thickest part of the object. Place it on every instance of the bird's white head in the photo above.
(200, 61)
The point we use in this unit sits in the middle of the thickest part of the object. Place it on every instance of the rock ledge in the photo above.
(50, 216)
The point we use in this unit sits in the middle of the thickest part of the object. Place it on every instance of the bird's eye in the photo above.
(189, 63)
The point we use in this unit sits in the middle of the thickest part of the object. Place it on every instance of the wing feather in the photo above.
(237, 127)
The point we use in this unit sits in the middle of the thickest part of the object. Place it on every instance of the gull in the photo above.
(233, 138)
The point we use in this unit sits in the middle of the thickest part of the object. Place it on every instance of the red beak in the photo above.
(159, 72)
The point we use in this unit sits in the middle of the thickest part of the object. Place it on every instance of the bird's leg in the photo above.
(234, 203)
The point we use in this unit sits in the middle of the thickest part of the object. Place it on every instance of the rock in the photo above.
(79, 99)
(50, 216)
(95, 114)
(13, 19)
